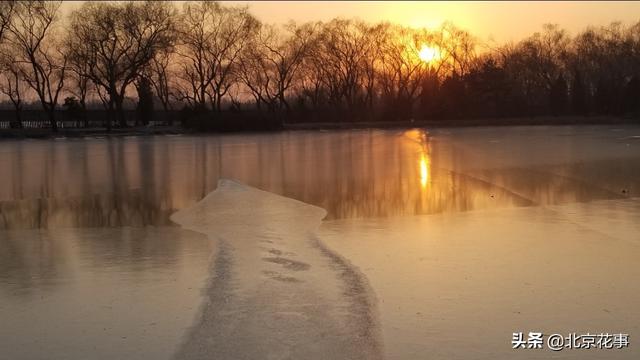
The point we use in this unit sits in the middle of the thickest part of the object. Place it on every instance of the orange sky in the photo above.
(500, 20)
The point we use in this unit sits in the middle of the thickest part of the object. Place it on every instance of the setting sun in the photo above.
(428, 53)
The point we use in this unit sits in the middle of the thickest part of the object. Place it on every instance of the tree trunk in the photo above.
(19, 118)
(168, 116)
(83, 108)
(121, 119)
(109, 115)
(284, 103)
(52, 119)
(218, 103)
(18, 122)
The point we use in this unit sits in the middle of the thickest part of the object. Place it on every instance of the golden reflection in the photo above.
(424, 162)
(374, 173)
(424, 171)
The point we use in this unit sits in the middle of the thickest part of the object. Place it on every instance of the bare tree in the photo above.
(78, 72)
(458, 48)
(11, 82)
(402, 70)
(340, 63)
(41, 63)
(209, 54)
(6, 16)
(12, 85)
(118, 41)
(213, 38)
(269, 67)
(159, 74)
(536, 63)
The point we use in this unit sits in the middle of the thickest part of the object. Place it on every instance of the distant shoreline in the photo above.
(178, 130)
(514, 121)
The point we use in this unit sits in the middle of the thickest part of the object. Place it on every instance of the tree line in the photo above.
(205, 58)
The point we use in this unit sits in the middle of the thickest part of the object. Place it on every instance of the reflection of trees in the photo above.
(141, 181)
(46, 259)
(568, 183)
(373, 174)
(133, 249)
(115, 209)
(30, 258)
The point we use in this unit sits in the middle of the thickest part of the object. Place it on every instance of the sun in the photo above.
(428, 53)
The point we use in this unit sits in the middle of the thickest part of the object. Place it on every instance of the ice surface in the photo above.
(276, 292)
(457, 286)
(99, 293)
(530, 227)
(451, 286)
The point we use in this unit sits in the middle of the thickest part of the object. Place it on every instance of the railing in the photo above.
(36, 119)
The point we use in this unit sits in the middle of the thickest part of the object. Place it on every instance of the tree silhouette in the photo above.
(558, 96)
(40, 61)
(218, 62)
(118, 41)
(632, 96)
(578, 95)
(144, 109)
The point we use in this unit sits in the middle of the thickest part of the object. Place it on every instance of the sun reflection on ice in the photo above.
(424, 161)
(424, 170)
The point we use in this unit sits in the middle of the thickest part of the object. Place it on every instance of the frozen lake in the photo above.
(396, 244)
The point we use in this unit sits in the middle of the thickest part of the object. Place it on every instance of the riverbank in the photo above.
(44, 133)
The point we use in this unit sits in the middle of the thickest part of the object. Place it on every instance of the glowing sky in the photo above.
(500, 20)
